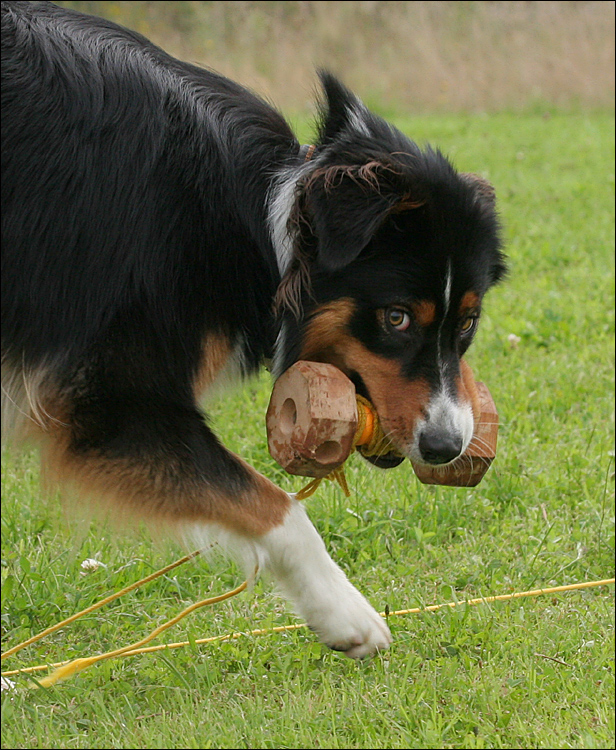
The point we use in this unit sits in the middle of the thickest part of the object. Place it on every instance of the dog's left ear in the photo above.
(346, 205)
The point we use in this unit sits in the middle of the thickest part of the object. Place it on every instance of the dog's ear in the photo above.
(345, 207)
(340, 110)
(346, 202)
(484, 189)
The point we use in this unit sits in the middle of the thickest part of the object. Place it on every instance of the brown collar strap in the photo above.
(307, 151)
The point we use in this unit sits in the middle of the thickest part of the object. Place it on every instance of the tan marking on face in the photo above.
(325, 329)
(470, 301)
(399, 402)
(424, 311)
(215, 352)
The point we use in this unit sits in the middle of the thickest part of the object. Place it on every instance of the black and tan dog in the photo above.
(163, 230)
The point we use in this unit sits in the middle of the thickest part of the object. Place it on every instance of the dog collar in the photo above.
(307, 151)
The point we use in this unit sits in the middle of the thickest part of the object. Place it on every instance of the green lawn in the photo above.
(530, 673)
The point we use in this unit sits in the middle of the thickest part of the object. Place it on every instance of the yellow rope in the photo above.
(134, 650)
(67, 669)
(369, 439)
(506, 597)
(377, 443)
(99, 604)
(337, 475)
(77, 665)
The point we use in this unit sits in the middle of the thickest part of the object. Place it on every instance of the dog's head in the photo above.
(387, 253)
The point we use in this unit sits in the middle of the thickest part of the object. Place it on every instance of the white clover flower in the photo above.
(513, 340)
(90, 564)
(7, 684)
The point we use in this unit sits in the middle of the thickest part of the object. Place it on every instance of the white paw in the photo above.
(320, 592)
(349, 624)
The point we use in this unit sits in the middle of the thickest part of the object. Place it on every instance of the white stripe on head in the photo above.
(444, 411)
(447, 294)
(446, 303)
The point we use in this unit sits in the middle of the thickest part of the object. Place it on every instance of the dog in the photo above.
(163, 230)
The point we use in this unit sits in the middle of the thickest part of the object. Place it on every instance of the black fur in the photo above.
(136, 192)
(134, 196)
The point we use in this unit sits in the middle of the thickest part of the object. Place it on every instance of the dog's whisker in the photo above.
(479, 442)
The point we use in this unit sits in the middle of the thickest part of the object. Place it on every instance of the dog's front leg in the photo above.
(275, 532)
(322, 594)
(159, 461)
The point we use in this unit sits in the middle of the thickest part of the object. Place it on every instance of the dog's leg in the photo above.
(294, 554)
(160, 462)
(321, 593)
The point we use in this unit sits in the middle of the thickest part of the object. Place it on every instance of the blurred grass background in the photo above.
(409, 56)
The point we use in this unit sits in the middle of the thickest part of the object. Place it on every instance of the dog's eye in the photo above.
(468, 325)
(398, 319)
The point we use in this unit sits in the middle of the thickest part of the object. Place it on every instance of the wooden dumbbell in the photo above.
(312, 421)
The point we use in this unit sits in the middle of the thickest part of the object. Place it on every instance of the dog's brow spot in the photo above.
(469, 301)
(424, 311)
(335, 314)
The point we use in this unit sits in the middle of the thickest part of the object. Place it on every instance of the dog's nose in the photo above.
(439, 446)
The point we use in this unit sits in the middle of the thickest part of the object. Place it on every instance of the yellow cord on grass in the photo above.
(99, 604)
(77, 665)
(65, 670)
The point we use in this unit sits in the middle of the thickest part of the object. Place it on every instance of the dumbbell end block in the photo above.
(311, 419)
(470, 468)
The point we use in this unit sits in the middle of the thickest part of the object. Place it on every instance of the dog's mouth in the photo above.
(360, 386)
(384, 460)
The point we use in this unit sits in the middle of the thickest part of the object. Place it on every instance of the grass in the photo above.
(531, 673)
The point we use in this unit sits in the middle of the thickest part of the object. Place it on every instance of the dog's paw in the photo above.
(320, 592)
(350, 625)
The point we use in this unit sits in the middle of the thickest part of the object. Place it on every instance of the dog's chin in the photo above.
(386, 461)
